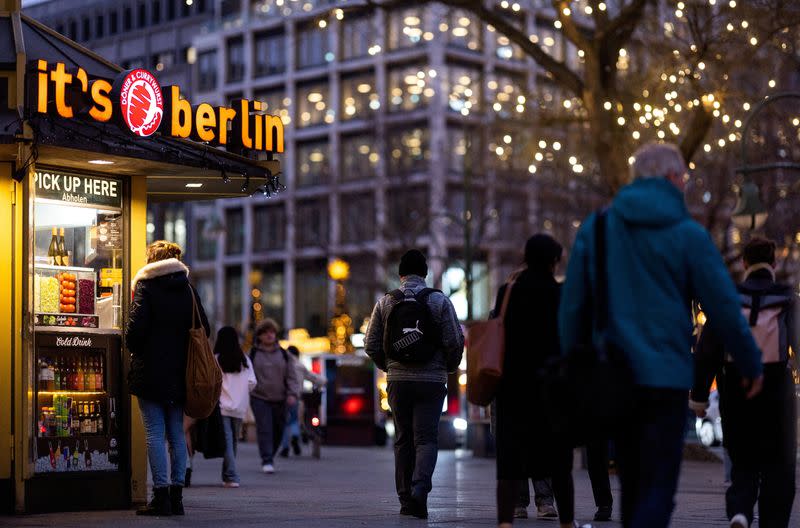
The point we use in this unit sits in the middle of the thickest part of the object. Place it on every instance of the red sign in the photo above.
(141, 102)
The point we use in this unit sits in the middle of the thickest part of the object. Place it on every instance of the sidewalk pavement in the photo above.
(354, 487)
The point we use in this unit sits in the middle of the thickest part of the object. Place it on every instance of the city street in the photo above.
(351, 487)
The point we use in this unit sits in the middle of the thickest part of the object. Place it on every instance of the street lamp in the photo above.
(340, 329)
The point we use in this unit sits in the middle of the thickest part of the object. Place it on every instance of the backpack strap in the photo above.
(424, 293)
(754, 309)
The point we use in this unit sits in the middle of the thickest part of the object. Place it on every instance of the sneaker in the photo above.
(283, 453)
(603, 513)
(520, 512)
(739, 521)
(268, 468)
(547, 511)
(230, 484)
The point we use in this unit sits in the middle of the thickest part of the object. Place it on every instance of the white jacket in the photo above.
(236, 387)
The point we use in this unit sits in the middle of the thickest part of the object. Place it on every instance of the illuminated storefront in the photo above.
(83, 147)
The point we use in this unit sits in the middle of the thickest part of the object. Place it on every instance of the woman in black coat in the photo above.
(525, 448)
(158, 337)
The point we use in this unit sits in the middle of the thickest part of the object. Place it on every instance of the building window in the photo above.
(463, 88)
(407, 214)
(506, 94)
(311, 297)
(359, 157)
(87, 28)
(312, 231)
(206, 291)
(456, 206)
(156, 13)
(270, 291)
(171, 9)
(358, 37)
(549, 40)
(361, 287)
(409, 152)
(233, 296)
(511, 158)
(235, 60)
(175, 224)
(132, 64)
(127, 19)
(99, 26)
(360, 97)
(207, 71)
(463, 150)
(358, 218)
(272, 99)
(408, 88)
(206, 246)
(269, 54)
(313, 164)
(113, 25)
(313, 105)
(186, 9)
(72, 33)
(164, 60)
(512, 211)
(405, 27)
(234, 231)
(463, 29)
(269, 233)
(142, 18)
(312, 46)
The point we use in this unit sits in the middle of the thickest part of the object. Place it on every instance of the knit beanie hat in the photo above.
(541, 252)
(413, 263)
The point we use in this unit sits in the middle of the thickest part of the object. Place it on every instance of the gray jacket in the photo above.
(443, 315)
(276, 375)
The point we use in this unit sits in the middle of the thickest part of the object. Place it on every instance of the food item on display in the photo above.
(86, 296)
(49, 294)
(67, 293)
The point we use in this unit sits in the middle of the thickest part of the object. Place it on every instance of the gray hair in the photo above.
(656, 160)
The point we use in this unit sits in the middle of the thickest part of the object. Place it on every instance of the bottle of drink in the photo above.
(62, 249)
(57, 375)
(100, 421)
(51, 375)
(73, 374)
(80, 376)
(87, 455)
(100, 376)
(53, 256)
(89, 375)
(113, 448)
(42, 374)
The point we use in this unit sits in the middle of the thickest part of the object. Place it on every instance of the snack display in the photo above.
(85, 296)
(65, 296)
(49, 291)
(68, 292)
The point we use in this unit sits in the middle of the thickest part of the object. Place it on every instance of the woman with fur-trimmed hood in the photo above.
(157, 337)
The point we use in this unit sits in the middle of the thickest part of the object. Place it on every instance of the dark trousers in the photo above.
(542, 493)
(597, 462)
(270, 421)
(649, 453)
(416, 407)
(761, 438)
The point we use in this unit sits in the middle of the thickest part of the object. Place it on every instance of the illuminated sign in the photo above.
(138, 104)
(77, 189)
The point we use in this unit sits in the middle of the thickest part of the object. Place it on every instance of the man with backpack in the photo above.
(414, 335)
(760, 434)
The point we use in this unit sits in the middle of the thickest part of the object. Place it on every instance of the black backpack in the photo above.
(410, 335)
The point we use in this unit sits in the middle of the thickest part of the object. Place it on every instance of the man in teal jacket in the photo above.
(659, 260)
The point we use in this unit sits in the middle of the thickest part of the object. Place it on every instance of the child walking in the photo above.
(238, 379)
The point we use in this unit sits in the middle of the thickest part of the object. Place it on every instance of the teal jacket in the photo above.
(659, 260)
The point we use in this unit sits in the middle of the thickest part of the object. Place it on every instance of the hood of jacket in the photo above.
(651, 202)
(171, 272)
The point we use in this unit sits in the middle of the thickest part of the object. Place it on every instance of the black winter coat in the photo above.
(524, 446)
(158, 332)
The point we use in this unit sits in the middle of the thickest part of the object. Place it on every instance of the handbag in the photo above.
(211, 435)
(203, 375)
(485, 355)
(590, 391)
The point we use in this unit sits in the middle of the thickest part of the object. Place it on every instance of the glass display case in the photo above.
(64, 296)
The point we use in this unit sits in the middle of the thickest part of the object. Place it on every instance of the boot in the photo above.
(176, 499)
(159, 505)
(187, 480)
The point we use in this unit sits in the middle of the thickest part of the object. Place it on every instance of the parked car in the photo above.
(709, 428)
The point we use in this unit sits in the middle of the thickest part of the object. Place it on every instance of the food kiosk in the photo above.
(83, 147)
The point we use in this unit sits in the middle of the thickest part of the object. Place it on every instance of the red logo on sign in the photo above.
(141, 102)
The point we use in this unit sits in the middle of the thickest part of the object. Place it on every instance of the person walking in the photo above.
(543, 499)
(291, 433)
(157, 336)
(760, 434)
(414, 335)
(526, 449)
(238, 379)
(659, 260)
(597, 464)
(276, 388)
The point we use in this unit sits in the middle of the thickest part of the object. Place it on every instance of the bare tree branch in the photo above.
(570, 28)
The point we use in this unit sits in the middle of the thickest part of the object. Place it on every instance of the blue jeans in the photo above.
(231, 426)
(164, 421)
(649, 453)
(292, 428)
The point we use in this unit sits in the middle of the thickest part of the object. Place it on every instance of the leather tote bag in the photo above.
(203, 375)
(485, 354)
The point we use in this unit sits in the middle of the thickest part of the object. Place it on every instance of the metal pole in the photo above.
(468, 224)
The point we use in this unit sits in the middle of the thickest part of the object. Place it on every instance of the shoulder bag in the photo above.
(203, 375)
